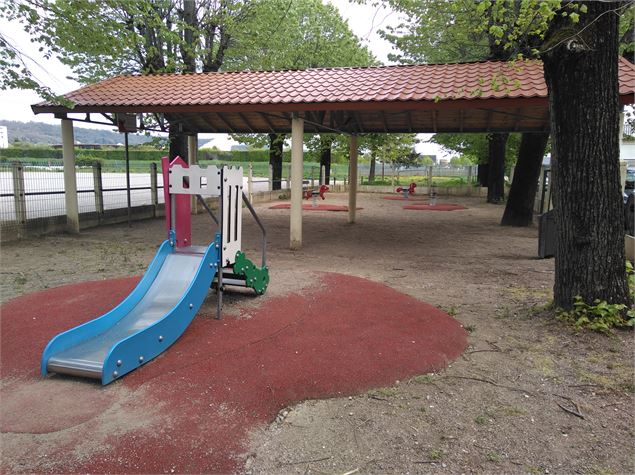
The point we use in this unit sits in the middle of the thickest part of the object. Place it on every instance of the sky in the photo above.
(364, 21)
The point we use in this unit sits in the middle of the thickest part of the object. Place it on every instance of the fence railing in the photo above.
(32, 195)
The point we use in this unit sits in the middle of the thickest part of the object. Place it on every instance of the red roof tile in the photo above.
(435, 82)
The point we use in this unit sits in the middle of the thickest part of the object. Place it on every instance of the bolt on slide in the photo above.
(164, 302)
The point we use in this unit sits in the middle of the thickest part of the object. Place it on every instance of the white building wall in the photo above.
(627, 153)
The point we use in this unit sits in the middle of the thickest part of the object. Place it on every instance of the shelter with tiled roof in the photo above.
(489, 96)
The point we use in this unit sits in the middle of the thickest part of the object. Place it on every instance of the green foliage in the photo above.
(602, 316)
(473, 148)
(281, 34)
(462, 161)
(89, 154)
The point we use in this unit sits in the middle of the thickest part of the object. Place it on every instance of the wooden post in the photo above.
(297, 158)
(192, 159)
(19, 198)
(323, 176)
(469, 175)
(154, 195)
(430, 172)
(250, 183)
(99, 190)
(352, 170)
(70, 178)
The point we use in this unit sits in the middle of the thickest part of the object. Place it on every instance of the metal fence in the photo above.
(32, 194)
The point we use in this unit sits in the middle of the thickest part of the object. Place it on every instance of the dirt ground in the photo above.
(528, 396)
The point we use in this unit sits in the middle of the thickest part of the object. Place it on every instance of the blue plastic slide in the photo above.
(145, 324)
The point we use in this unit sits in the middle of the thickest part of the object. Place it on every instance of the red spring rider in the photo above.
(308, 194)
(407, 191)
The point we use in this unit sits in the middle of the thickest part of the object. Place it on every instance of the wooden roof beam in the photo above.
(517, 119)
(409, 121)
(212, 127)
(226, 123)
(435, 114)
(383, 120)
(246, 121)
(272, 129)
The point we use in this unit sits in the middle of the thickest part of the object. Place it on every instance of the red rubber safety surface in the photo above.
(319, 207)
(437, 207)
(190, 410)
(401, 198)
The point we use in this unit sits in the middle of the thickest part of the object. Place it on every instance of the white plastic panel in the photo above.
(232, 212)
(195, 180)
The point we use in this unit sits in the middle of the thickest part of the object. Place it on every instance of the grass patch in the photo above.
(494, 457)
(435, 454)
(383, 392)
(422, 379)
(481, 419)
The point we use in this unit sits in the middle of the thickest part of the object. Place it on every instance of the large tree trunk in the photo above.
(276, 141)
(178, 143)
(482, 174)
(371, 171)
(581, 75)
(519, 210)
(496, 178)
(325, 158)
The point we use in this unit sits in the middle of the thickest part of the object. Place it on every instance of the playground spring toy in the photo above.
(308, 194)
(167, 298)
(406, 192)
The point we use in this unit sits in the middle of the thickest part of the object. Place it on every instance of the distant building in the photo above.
(4, 137)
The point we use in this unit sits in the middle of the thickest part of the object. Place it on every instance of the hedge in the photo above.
(151, 155)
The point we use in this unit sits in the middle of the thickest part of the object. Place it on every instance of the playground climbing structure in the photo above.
(167, 298)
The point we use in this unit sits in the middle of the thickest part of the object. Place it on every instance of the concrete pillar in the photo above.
(297, 158)
(352, 184)
(192, 159)
(70, 178)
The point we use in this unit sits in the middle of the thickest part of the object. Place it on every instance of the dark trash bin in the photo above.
(547, 235)
(629, 215)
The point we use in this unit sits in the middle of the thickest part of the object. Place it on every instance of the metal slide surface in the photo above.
(145, 324)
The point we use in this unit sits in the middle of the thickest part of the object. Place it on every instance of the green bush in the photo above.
(602, 316)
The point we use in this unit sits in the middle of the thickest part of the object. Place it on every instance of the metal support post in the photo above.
(99, 190)
(19, 198)
(352, 170)
(192, 159)
(154, 194)
(250, 182)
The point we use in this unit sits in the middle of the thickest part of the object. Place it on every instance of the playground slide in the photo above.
(145, 324)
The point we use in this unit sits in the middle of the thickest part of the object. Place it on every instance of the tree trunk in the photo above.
(581, 76)
(178, 143)
(482, 173)
(276, 141)
(519, 210)
(188, 16)
(496, 176)
(371, 172)
(325, 157)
